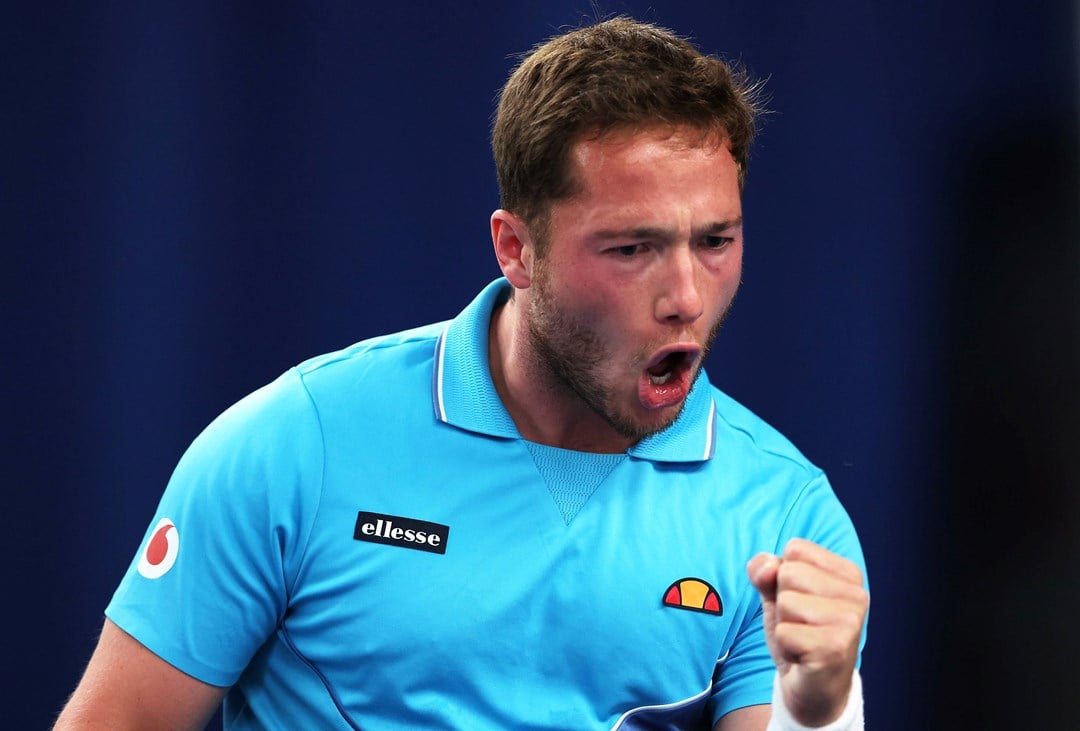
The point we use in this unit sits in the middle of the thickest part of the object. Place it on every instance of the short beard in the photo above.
(573, 354)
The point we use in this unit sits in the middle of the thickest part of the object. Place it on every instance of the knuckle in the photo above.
(786, 603)
(854, 620)
(796, 547)
(791, 574)
(861, 596)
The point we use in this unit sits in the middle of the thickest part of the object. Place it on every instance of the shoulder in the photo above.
(741, 432)
(416, 344)
(285, 418)
(364, 384)
(777, 483)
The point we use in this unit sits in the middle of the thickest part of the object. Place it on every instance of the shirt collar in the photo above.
(464, 395)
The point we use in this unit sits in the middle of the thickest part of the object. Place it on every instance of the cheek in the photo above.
(724, 279)
(601, 311)
(732, 276)
(590, 296)
(726, 272)
(609, 313)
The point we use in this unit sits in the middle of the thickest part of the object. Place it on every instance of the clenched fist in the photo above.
(815, 606)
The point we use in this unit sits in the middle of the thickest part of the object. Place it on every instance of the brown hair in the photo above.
(618, 73)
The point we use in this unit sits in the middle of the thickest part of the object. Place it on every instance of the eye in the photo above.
(716, 242)
(628, 250)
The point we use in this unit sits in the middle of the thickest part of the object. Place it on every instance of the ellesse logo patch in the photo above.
(693, 594)
(393, 530)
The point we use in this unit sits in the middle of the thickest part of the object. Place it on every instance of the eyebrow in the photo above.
(659, 232)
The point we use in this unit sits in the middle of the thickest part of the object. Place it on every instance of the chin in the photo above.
(644, 423)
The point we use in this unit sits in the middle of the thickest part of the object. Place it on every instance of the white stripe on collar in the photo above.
(437, 379)
(710, 430)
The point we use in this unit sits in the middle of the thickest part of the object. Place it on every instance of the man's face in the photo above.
(640, 268)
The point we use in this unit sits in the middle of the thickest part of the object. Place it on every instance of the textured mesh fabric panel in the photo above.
(571, 476)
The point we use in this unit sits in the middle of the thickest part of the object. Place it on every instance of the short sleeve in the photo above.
(746, 675)
(212, 578)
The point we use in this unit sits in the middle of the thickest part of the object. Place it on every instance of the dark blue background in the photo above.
(195, 196)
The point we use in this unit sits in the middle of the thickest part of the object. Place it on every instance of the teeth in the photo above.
(662, 372)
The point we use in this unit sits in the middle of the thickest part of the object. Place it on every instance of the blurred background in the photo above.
(196, 196)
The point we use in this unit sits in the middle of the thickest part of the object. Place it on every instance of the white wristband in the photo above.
(850, 720)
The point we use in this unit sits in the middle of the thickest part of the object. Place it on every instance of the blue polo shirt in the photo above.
(369, 543)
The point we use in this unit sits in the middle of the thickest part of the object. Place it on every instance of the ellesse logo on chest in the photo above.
(393, 530)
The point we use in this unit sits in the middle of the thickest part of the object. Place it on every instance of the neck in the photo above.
(543, 408)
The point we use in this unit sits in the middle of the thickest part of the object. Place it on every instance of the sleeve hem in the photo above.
(172, 655)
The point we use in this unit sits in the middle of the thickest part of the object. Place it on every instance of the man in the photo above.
(537, 515)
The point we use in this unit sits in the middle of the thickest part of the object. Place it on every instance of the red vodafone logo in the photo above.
(159, 555)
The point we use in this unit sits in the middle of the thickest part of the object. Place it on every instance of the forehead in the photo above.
(648, 153)
(653, 163)
(678, 181)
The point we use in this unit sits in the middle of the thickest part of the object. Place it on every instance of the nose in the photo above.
(680, 299)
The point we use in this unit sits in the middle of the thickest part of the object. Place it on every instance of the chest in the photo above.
(624, 598)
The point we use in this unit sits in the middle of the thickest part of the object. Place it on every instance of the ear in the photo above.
(513, 248)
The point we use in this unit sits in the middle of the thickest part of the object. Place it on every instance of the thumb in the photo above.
(763, 570)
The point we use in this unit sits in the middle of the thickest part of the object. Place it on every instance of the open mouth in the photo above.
(666, 379)
(662, 371)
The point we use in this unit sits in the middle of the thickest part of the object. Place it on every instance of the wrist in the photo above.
(850, 719)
